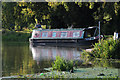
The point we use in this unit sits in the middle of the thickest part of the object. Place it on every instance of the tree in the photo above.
(62, 15)
(8, 20)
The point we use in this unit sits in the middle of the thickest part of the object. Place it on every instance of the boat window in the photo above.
(76, 34)
(44, 34)
(54, 34)
(63, 34)
(89, 33)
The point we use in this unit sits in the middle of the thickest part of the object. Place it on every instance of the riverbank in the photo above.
(19, 36)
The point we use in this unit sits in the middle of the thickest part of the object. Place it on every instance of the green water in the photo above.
(21, 58)
(17, 60)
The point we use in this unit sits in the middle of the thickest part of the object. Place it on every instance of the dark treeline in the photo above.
(19, 15)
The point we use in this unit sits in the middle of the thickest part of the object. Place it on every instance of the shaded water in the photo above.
(22, 58)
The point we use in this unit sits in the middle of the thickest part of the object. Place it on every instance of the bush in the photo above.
(62, 64)
(106, 49)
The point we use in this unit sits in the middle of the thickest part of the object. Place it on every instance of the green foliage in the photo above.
(108, 36)
(19, 15)
(105, 62)
(62, 64)
(31, 26)
(85, 54)
(106, 49)
(8, 20)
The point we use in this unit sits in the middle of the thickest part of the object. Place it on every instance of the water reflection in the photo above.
(20, 58)
(45, 53)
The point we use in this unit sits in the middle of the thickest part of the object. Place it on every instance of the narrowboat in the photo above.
(65, 37)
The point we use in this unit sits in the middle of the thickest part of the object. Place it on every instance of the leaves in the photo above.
(62, 14)
(107, 49)
(62, 65)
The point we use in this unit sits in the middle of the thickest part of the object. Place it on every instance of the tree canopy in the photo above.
(19, 15)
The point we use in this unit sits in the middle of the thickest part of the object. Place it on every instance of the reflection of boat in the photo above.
(65, 37)
(49, 53)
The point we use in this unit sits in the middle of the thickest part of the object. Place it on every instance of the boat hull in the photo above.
(63, 42)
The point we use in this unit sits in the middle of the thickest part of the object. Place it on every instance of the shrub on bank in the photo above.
(62, 64)
(106, 49)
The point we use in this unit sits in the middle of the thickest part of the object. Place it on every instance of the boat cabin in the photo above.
(59, 36)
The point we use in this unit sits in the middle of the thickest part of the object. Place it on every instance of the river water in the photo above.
(22, 58)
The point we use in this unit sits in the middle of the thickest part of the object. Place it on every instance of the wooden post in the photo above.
(114, 37)
(99, 31)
